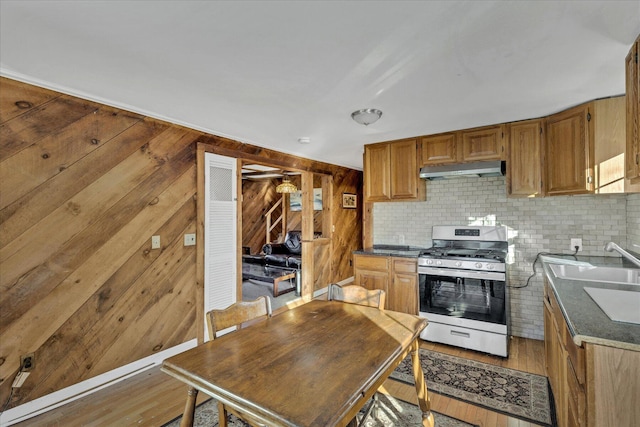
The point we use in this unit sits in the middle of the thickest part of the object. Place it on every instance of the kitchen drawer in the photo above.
(403, 265)
(366, 262)
(463, 337)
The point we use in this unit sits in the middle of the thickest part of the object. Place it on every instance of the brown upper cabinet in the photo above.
(525, 159)
(484, 143)
(569, 156)
(391, 172)
(607, 131)
(633, 114)
(440, 149)
(585, 149)
(470, 145)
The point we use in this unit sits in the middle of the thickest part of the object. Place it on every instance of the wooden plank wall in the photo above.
(83, 187)
(257, 198)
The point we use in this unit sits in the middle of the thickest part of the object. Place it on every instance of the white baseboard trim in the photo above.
(85, 388)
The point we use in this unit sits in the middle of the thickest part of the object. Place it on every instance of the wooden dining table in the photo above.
(315, 365)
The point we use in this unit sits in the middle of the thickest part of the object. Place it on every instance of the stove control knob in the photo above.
(429, 261)
(458, 263)
(490, 266)
(438, 262)
(478, 265)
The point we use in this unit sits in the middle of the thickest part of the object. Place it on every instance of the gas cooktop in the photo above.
(488, 255)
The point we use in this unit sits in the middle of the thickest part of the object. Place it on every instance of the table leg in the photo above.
(421, 386)
(189, 408)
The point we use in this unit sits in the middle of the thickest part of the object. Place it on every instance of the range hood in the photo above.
(462, 170)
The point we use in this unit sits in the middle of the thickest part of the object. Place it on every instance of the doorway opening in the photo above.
(272, 230)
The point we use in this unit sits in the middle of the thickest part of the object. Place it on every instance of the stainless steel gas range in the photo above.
(463, 288)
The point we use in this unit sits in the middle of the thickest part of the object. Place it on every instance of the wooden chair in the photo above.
(219, 320)
(356, 294)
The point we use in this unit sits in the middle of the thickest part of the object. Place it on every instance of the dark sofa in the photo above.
(286, 254)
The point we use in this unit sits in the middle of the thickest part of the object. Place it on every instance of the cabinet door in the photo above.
(404, 169)
(607, 131)
(439, 149)
(576, 402)
(555, 354)
(524, 165)
(372, 272)
(550, 346)
(373, 280)
(483, 144)
(632, 170)
(569, 153)
(376, 173)
(403, 290)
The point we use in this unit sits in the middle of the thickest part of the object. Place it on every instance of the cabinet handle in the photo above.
(461, 334)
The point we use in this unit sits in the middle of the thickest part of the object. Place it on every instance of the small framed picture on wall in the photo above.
(349, 201)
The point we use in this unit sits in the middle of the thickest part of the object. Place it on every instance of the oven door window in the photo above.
(476, 299)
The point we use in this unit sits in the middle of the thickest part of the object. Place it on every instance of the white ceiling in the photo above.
(269, 72)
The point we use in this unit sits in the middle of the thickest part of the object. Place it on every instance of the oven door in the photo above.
(475, 295)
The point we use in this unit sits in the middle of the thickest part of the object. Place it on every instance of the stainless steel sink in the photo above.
(597, 274)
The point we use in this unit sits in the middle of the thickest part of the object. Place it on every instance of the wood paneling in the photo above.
(83, 187)
(257, 198)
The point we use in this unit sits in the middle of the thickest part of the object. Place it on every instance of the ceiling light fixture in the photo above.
(366, 116)
(286, 186)
(304, 140)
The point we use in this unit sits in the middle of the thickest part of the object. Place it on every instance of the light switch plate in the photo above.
(155, 242)
(190, 239)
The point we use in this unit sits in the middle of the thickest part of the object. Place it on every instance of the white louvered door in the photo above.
(220, 232)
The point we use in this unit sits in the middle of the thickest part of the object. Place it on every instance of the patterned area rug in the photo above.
(390, 413)
(515, 393)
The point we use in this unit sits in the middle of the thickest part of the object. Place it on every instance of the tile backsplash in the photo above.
(535, 225)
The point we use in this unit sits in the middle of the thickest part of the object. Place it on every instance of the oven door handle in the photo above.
(482, 275)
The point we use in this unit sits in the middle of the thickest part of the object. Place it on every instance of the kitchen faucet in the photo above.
(611, 246)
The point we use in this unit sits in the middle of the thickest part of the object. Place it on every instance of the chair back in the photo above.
(237, 314)
(357, 295)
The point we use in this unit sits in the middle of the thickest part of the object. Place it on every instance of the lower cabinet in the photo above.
(397, 276)
(372, 272)
(576, 398)
(593, 385)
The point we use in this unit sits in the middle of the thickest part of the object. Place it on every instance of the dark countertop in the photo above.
(586, 320)
(391, 250)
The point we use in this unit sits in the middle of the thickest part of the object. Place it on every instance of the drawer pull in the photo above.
(461, 334)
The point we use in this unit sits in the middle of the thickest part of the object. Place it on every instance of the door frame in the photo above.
(308, 241)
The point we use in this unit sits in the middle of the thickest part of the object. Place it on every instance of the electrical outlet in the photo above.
(576, 242)
(27, 362)
(190, 239)
(155, 242)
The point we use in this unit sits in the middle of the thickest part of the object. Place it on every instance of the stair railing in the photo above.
(282, 219)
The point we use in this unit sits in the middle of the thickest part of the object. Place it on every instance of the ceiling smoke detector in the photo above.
(366, 116)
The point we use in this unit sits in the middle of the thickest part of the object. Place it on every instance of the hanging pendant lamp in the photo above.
(286, 186)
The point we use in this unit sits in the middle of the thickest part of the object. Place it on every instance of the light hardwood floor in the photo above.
(152, 398)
